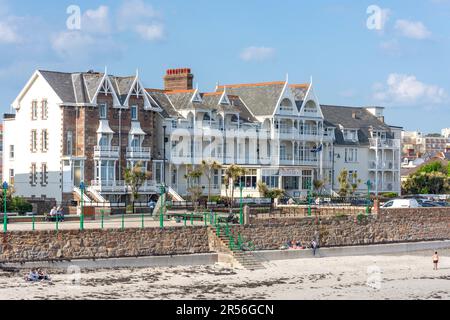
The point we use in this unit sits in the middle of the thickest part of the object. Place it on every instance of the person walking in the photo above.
(314, 246)
(435, 260)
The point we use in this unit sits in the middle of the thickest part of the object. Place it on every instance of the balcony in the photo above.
(384, 143)
(101, 152)
(121, 187)
(383, 165)
(139, 153)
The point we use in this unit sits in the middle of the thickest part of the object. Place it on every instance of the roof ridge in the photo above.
(257, 84)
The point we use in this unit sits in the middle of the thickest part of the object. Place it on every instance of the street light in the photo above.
(241, 215)
(163, 204)
(5, 215)
(82, 188)
(308, 185)
(369, 184)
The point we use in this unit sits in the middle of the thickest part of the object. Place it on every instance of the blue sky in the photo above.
(402, 65)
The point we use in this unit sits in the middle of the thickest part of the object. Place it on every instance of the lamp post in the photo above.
(369, 184)
(163, 204)
(5, 215)
(82, 189)
(309, 198)
(241, 212)
(164, 155)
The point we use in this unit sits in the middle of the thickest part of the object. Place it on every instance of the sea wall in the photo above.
(389, 226)
(88, 244)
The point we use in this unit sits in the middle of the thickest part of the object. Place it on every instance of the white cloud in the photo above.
(402, 89)
(8, 34)
(151, 32)
(257, 54)
(96, 21)
(141, 18)
(77, 45)
(412, 29)
(391, 47)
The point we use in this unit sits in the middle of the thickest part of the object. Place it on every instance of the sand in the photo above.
(364, 277)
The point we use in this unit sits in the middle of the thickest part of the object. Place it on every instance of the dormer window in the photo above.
(350, 135)
(286, 106)
(134, 113)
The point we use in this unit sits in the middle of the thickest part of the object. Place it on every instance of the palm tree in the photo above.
(194, 189)
(232, 174)
(135, 177)
(208, 168)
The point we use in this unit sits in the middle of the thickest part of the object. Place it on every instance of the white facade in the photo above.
(23, 159)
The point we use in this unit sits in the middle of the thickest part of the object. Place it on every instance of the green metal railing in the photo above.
(104, 220)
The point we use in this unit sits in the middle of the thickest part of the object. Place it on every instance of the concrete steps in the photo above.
(245, 259)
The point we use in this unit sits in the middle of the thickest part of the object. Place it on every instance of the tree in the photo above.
(232, 175)
(356, 182)
(344, 185)
(194, 189)
(208, 168)
(269, 193)
(318, 185)
(135, 177)
(435, 166)
(427, 183)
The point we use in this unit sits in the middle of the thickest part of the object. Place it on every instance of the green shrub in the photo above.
(21, 205)
(390, 195)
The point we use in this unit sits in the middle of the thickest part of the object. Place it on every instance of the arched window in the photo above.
(286, 105)
(206, 117)
(310, 106)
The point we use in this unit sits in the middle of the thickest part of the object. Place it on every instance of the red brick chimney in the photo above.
(178, 79)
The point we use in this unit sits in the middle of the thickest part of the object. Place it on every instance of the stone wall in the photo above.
(68, 245)
(395, 225)
(390, 226)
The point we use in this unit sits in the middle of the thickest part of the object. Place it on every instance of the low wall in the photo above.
(89, 244)
(389, 226)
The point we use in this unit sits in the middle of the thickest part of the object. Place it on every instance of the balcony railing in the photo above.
(139, 153)
(384, 143)
(120, 186)
(383, 165)
(106, 152)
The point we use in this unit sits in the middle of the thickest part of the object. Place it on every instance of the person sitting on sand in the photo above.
(42, 275)
(435, 260)
(33, 276)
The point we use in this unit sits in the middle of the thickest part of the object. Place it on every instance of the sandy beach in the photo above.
(364, 277)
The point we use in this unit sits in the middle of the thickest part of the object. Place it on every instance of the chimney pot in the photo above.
(178, 79)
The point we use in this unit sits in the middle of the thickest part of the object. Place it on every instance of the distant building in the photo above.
(417, 145)
(446, 132)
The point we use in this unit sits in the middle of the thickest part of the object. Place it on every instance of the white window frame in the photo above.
(135, 108)
(103, 107)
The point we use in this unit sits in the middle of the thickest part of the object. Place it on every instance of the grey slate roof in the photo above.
(162, 100)
(62, 84)
(261, 99)
(336, 116)
(80, 87)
